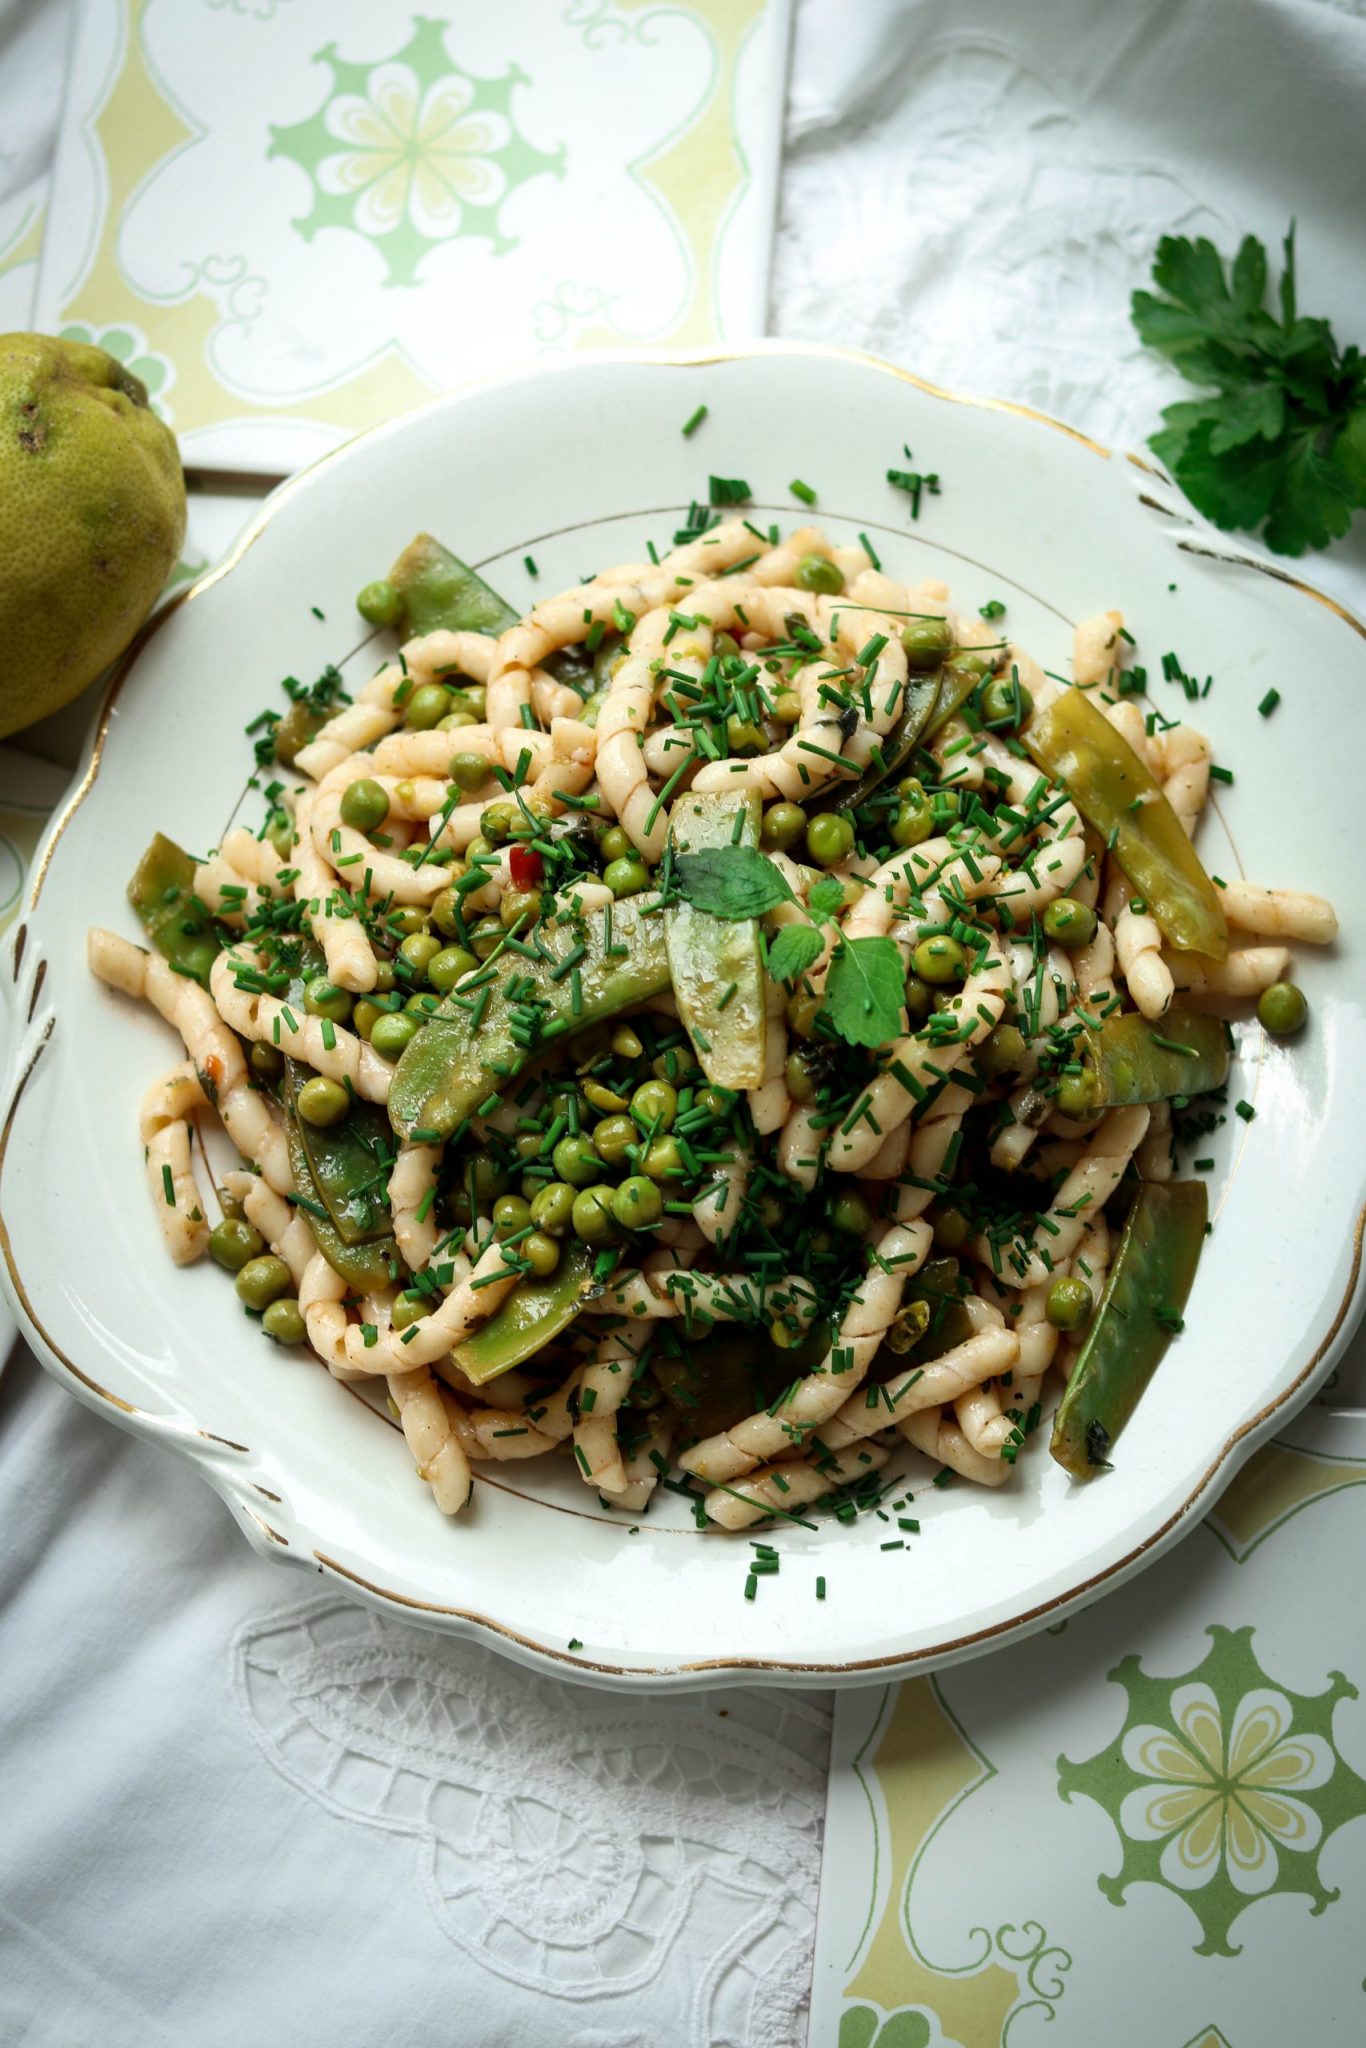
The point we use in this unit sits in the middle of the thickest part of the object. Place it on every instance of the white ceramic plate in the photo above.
(577, 468)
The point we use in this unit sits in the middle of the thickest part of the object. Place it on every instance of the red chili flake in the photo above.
(525, 866)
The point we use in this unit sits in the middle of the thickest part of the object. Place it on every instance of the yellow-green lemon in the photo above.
(92, 516)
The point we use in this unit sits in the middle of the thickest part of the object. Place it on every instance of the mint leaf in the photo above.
(1279, 444)
(730, 881)
(826, 898)
(866, 991)
(797, 947)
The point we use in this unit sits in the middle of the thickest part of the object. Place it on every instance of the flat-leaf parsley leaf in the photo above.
(1279, 445)
(866, 991)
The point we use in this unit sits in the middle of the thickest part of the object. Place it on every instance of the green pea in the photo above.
(820, 575)
(233, 1242)
(593, 1218)
(419, 951)
(802, 1012)
(717, 1102)
(743, 736)
(379, 603)
(626, 877)
(552, 1207)
(445, 913)
(499, 822)
(1069, 923)
(950, 1226)
(322, 1103)
(1002, 1051)
(407, 1310)
(423, 1005)
(267, 1061)
(1282, 1009)
(541, 1252)
(230, 1205)
(604, 1099)
(783, 826)
(787, 707)
(426, 707)
(798, 1078)
(445, 968)
(284, 1321)
(919, 999)
(1069, 1303)
(384, 977)
(472, 697)
(262, 1281)
(456, 721)
(939, 959)
(655, 1105)
(829, 838)
(393, 1033)
(479, 848)
(490, 1176)
(663, 1160)
(406, 921)
(726, 645)
(510, 1214)
(576, 1161)
(914, 820)
(1075, 1096)
(364, 804)
(625, 1044)
(486, 937)
(519, 907)
(927, 642)
(1006, 704)
(615, 844)
(364, 1014)
(676, 1066)
(637, 1203)
(469, 772)
(614, 1137)
(322, 998)
(851, 1214)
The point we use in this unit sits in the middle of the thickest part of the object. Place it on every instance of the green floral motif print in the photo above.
(1223, 1785)
(860, 2027)
(412, 151)
(129, 346)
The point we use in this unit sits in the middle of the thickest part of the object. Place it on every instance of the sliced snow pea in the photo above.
(715, 964)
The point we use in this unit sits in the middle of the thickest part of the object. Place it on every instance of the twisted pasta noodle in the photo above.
(433, 1437)
(644, 1464)
(458, 1317)
(991, 1349)
(1096, 648)
(378, 706)
(287, 1232)
(351, 962)
(567, 619)
(322, 1296)
(780, 1489)
(1138, 948)
(625, 714)
(412, 1186)
(717, 1209)
(769, 1102)
(1088, 1187)
(1153, 1158)
(165, 1136)
(812, 1401)
(929, 1147)
(1183, 756)
(605, 1383)
(383, 874)
(272, 1021)
(500, 1434)
(915, 1063)
(940, 1437)
(1244, 973)
(1279, 913)
(215, 1053)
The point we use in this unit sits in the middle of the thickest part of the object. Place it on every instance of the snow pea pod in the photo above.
(162, 893)
(592, 966)
(340, 1175)
(533, 1315)
(1077, 745)
(715, 964)
(918, 704)
(1130, 1060)
(440, 591)
(1140, 1310)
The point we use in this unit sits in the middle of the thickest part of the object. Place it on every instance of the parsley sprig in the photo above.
(1279, 445)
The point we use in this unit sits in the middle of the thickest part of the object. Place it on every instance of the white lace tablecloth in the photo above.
(237, 1810)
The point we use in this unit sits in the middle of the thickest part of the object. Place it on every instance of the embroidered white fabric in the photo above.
(236, 1812)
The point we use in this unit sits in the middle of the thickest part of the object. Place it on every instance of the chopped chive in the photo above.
(802, 491)
(751, 1586)
(1269, 703)
(1245, 1111)
(168, 1186)
(529, 565)
(690, 426)
(870, 551)
(820, 1588)
(1217, 774)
